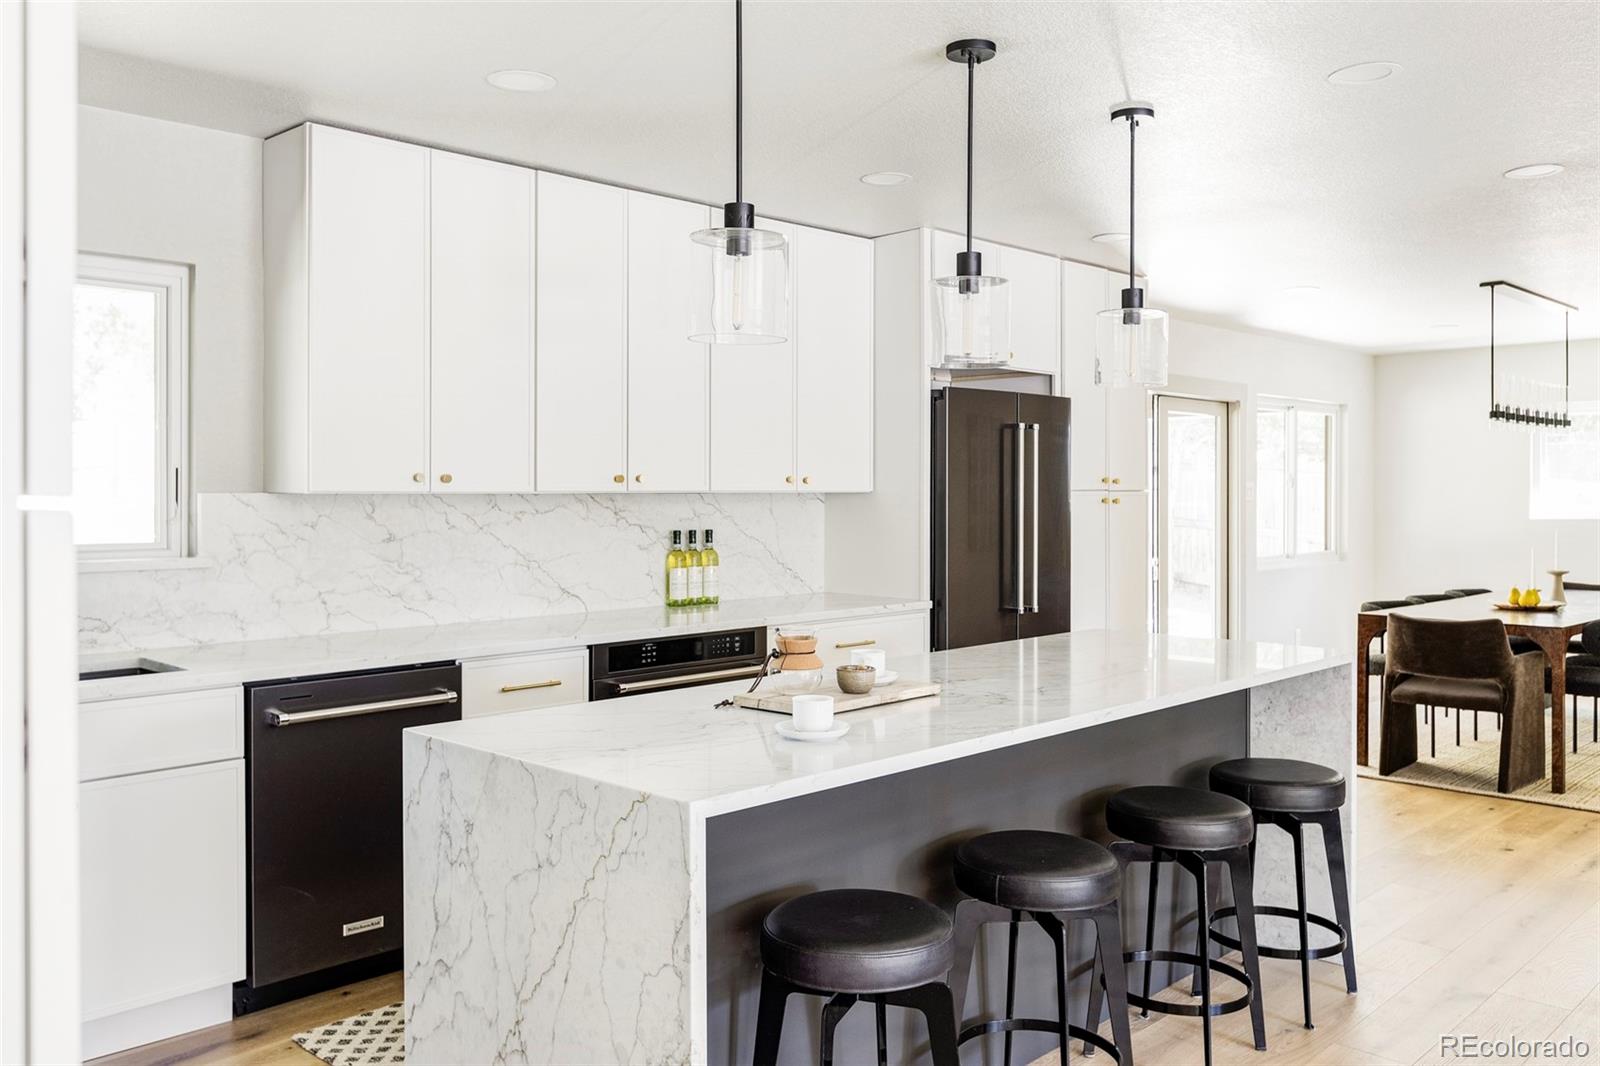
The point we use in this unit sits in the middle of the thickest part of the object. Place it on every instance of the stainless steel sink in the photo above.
(127, 668)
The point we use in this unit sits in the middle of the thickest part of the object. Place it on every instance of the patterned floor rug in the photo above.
(1475, 764)
(378, 1036)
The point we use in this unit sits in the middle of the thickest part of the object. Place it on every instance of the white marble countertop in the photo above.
(678, 746)
(217, 665)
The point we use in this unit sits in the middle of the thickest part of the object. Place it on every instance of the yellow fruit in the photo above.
(1530, 598)
(1515, 599)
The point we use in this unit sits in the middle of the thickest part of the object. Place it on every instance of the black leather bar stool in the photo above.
(1193, 828)
(1290, 794)
(1052, 879)
(851, 945)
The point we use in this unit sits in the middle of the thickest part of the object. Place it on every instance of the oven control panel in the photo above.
(633, 656)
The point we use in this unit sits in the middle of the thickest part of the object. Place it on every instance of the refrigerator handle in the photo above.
(1022, 464)
(1034, 606)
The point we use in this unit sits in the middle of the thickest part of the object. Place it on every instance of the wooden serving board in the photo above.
(896, 692)
(1518, 607)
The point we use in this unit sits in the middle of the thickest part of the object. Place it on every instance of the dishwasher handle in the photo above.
(276, 717)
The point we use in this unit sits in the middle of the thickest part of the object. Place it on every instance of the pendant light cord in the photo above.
(972, 65)
(1133, 125)
(738, 101)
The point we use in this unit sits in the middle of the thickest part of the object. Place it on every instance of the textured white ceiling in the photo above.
(1255, 175)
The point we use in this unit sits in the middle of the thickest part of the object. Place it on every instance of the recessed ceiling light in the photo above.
(521, 81)
(1363, 73)
(1303, 290)
(1109, 238)
(1535, 170)
(885, 177)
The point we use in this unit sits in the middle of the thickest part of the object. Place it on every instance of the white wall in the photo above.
(1310, 602)
(1452, 487)
(162, 190)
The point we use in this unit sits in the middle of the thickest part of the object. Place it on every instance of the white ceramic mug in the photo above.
(873, 657)
(813, 713)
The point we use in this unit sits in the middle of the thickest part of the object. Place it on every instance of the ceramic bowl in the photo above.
(856, 679)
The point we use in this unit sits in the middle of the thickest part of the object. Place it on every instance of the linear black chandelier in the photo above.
(1532, 411)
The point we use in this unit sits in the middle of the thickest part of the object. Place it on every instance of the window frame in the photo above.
(169, 282)
(1333, 487)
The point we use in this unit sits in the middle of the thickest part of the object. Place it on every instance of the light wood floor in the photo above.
(1474, 915)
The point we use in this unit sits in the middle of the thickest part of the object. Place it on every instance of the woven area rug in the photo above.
(1475, 765)
(378, 1036)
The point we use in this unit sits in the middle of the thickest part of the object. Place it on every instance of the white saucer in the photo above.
(888, 677)
(789, 732)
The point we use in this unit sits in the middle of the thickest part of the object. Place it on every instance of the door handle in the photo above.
(1022, 462)
(625, 687)
(275, 717)
(1034, 606)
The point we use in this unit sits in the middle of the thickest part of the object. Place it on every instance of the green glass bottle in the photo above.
(710, 576)
(677, 572)
(692, 557)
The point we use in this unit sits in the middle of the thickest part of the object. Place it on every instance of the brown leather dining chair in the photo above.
(1468, 665)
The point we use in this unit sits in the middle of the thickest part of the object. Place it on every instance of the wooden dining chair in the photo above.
(1469, 665)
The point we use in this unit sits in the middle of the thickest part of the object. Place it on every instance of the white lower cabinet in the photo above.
(1110, 560)
(524, 682)
(162, 855)
(1088, 559)
(894, 634)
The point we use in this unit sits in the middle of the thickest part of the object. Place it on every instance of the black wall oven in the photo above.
(325, 811)
(631, 667)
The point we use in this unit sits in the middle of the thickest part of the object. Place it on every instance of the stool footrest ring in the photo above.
(1269, 951)
(1191, 1010)
(1037, 1025)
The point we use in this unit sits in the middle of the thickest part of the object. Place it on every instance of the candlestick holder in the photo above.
(1558, 586)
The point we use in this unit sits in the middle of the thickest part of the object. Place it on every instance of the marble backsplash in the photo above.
(284, 566)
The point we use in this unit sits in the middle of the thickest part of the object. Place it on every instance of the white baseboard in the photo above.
(118, 1032)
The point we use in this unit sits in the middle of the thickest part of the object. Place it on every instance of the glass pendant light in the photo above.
(974, 307)
(741, 273)
(1131, 340)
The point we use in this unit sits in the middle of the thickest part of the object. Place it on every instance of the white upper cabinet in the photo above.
(1083, 296)
(668, 427)
(581, 330)
(1035, 284)
(753, 406)
(345, 221)
(481, 326)
(1127, 568)
(834, 379)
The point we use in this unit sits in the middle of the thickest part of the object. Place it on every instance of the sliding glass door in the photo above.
(1191, 517)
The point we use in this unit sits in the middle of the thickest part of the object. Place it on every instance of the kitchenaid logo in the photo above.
(365, 925)
(1472, 1046)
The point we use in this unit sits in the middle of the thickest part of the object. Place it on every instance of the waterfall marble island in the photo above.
(585, 883)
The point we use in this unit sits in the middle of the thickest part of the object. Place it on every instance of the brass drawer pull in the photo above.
(526, 685)
(854, 643)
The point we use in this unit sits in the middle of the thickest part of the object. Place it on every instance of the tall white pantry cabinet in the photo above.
(441, 323)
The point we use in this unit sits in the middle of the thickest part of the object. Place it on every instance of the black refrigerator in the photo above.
(1001, 532)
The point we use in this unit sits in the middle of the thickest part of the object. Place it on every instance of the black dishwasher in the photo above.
(325, 813)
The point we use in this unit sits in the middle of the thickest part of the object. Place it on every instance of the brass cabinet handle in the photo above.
(417, 478)
(788, 479)
(445, 479)
(854, 643)
(526, 685)
(1116, 499)
(618, 478)
(1105, 481)
(805, 481)
(1105, 499)
(639, 478)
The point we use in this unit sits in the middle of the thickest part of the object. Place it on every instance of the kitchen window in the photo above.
(130, 478)
(1564, 479)
(1297, 480)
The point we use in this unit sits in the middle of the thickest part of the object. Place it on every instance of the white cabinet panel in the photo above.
(368, 374)
(668, 375)
(163, 885)
(834, 376)
(753, 408)
(1128, 562)
(1035, 284)
(129, 736)
(896, 635)
(1083, 295)
(524, 682)
(481, 326)
(580, 353)
(1128, 438)
(1089, 520)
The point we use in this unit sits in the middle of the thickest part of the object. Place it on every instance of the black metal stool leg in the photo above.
(971, 915)
(1150, 922)
(1297, 833)
(1203, 902)
(934, 1002)
(1114, 975)
(1333, 844)
(1011, 974)
(1057, 932)
(883, 1034)
(833, 1012)
(769, 1018)
(1242, 874)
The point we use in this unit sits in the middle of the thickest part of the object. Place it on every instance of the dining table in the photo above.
(1551, 630)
